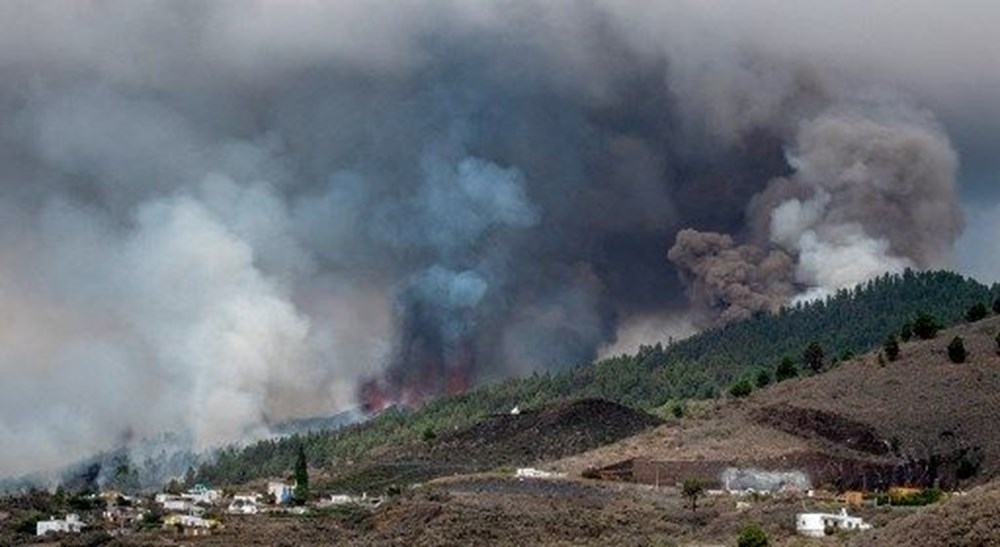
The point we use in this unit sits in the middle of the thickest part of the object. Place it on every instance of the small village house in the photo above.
(191, 525)
(70, 524)
(182, 506)
(281, 491)
(816, 525)
(346, 499)
(202, 494)
(244, 504)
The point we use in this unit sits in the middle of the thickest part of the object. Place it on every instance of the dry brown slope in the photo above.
(914, 408)
(919, 405)
(717, 432)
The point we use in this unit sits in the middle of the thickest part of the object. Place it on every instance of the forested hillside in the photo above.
(852, 321)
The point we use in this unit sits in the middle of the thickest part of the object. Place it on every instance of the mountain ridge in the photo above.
(654, 378)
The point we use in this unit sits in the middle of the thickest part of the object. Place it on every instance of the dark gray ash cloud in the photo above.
(217, 215)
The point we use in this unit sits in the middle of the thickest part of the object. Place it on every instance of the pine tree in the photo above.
(956, 350)
(786, 370)
(925, 326)
(301, 493)
(763, 378)
(891, 347)
(977, 312)
(813, 356)
(906, 331)
(741, 389)
(692, 490)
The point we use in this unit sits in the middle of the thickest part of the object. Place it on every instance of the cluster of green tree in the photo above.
(923, 497)
(925, 326)
(738, 354)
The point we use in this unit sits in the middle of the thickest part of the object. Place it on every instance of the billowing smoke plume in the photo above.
(868, 194)
(736, 279)
(218, 215)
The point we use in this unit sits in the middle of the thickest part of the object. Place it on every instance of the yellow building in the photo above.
(853, 498)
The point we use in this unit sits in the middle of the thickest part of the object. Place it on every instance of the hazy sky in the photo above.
(219, 214)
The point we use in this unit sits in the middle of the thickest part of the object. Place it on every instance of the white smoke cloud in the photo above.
(648, 331)
(883, 200)
(843, 258)
(209, 317)
(168, 325)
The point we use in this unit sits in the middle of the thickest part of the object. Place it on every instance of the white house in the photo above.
(243, 505)
(182, 506)
(816, 524)
(71, 523)
(281, 491)
(162, 497)
(344, 499)
(202, 494)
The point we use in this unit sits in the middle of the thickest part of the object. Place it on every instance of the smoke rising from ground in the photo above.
(738, 280)
(869, 193)
(217, 215)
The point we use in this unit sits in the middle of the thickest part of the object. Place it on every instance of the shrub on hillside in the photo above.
(906, 332)
(692, 490)
(428, 434)
(956, 350)
(741, 389)
(925, 326)
(678, 410)
(977, 312)
(786, 370)
(891, 347)
(752, 536)
(28, 524)
(763, 379)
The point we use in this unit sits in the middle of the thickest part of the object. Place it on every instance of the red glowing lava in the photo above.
(419, 382)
